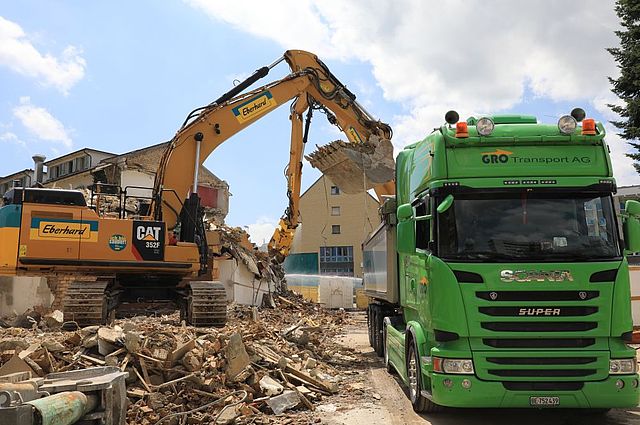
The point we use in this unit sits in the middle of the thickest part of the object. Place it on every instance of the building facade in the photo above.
(333, 226)
(134, 172)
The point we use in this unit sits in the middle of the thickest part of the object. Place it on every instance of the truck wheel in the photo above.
(414, 378)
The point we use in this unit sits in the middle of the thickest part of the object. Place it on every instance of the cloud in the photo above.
(12, 138)
(469, 55)
(262, 230)
(20, 55)
(39, 122)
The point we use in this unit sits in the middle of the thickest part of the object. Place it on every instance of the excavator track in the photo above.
(206, 304)
(86, 303)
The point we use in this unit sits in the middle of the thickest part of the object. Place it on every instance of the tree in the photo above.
(627, 85)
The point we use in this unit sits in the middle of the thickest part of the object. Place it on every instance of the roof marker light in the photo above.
(567, 124)
(485, 126)
(588, 127)
(451, 117)
(462, 130)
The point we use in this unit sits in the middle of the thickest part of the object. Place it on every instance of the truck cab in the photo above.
(510, 287)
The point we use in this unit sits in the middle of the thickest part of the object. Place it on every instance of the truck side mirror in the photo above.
(445, 204)
(631, 226)
(406, 230)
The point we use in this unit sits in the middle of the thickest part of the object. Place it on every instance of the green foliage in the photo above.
(627, 85)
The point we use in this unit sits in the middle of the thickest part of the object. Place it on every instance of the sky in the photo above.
(122, 75)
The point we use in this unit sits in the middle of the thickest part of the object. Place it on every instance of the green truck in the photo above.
(498, 276)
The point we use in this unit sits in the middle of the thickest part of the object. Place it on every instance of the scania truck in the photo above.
(498, 276)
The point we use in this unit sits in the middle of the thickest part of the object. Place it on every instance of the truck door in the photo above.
(416, 273)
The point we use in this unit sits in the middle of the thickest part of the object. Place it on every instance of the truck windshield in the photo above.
(528, 226)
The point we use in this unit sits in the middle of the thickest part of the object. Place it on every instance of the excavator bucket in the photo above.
(355, 167)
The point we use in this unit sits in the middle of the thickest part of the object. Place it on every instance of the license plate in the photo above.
(544, 401)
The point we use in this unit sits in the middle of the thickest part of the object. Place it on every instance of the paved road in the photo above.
(394, 406)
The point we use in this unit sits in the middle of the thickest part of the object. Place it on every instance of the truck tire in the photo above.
(414, 378)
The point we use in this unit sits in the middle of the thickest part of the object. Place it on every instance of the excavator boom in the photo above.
(310, 86)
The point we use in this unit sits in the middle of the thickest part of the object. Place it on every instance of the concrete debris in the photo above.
(270, 387)
(173, 368)
(285, 401)
(347, 163)
(54, 320)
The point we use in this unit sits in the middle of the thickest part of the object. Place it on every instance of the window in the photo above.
(336, 260)
(335, 210)
(335, 229)
(82, 163)
(335, 190)
(70, 166)
(516, 226)
(423, 227)
(53, 172)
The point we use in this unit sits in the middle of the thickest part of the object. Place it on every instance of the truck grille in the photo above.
(556, 373)
(525, 370)
(539, 342)
(541, 360)
(539, 326)
(543, 386)
(546, 311)
(537, 295)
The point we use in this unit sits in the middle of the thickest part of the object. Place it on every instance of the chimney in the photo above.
(38, 161)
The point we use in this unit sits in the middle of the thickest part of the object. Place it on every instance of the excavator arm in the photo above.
(311, 86)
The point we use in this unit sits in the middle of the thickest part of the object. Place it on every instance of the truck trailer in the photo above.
(498, 276)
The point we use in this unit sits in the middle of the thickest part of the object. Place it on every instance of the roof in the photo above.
(115, 158)
(86, 150)
(25, 171)
(320, 178)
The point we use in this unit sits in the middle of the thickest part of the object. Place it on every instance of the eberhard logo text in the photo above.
(64, 230)
(255, 106)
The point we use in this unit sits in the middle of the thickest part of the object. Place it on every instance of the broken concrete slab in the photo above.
(236, 354)
(270, 387)
(285, 401)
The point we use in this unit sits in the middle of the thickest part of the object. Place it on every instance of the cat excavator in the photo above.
(162, 254)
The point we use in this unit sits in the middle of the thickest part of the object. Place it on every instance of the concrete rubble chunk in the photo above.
(270, 387)
(88, 330)
(285, 401)
(228, 416)
(310, 363)
(54, 320)
(236, 354)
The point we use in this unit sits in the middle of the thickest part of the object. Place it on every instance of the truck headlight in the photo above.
(622, 366)
(567, 124)
(485, 126)
(459, 366)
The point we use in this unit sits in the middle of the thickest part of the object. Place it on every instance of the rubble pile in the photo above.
(263, 363)
(235, 242)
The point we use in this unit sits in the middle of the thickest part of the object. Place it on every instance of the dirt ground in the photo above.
(375, 397)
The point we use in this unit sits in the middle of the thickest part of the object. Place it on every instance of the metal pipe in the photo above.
(277, 61)
(198, 137)
(64, 408)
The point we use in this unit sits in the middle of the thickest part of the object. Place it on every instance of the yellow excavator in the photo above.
(163, 255)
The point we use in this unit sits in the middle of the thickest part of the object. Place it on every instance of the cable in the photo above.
(197, 409)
